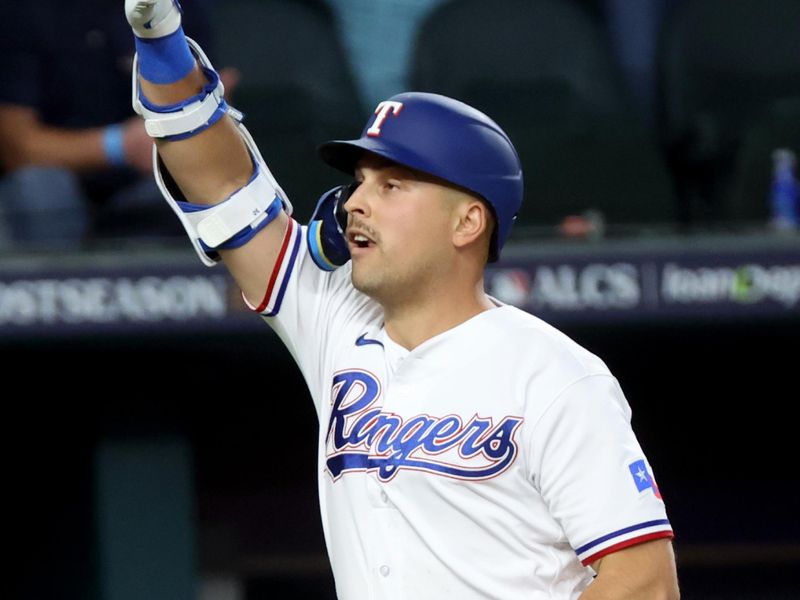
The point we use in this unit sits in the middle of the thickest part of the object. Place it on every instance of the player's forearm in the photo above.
(211, 165)
(608, 589)
(642, 572)
(25, 141)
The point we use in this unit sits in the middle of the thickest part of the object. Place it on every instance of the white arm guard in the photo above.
(190, 116)
(234, 221)
(240, 216)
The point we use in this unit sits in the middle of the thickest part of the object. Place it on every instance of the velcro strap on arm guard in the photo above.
(188, 117)
(246, 209)
(234, 221)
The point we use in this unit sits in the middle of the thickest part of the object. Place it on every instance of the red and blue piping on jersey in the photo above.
(623, 538)
(282, 272)
(361, 438)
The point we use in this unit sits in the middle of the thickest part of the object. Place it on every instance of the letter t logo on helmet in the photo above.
(383, 111)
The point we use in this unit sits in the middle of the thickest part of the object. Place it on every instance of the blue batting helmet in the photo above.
(446, 138)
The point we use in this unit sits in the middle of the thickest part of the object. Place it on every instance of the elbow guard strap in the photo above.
(188, 117)
(230, 223)
(234, 221)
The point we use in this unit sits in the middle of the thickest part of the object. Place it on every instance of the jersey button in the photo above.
(384, 570)
(384, 497)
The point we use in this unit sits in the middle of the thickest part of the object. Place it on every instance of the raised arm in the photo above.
(210, 163)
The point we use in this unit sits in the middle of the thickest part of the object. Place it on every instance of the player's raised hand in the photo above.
(153, 18)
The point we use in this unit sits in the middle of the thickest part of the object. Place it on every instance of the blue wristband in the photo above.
(166, 59)
(113, 145)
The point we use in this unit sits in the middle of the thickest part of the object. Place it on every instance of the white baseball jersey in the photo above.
(495, 460)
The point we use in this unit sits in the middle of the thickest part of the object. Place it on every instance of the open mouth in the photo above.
(359, 240)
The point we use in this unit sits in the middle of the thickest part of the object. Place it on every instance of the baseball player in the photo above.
(466, 449)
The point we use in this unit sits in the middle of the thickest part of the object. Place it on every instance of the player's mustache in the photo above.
(358, 224)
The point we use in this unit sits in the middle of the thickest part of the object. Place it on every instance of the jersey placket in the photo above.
(388, 561)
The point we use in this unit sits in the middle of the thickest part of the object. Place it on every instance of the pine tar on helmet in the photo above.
(446, 138)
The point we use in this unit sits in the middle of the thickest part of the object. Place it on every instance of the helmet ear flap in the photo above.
(342, 195)
(325, 234)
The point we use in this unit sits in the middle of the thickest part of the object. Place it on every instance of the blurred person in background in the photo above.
(634, 29)
(381, 69)
(75, 165)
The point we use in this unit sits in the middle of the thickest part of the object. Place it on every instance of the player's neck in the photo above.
(412, 323)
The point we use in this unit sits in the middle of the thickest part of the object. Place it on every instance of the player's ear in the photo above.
(471, 221)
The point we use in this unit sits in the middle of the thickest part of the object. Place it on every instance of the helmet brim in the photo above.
(344, 154)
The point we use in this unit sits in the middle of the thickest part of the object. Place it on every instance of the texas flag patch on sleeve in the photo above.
(646, 518)
(643, 478)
